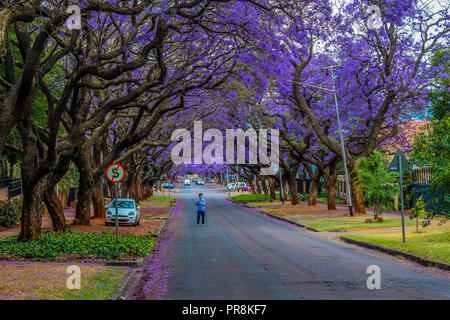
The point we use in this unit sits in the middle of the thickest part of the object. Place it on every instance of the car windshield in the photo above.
(123, 204)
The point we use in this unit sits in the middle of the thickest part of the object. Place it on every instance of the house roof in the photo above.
(405, 137)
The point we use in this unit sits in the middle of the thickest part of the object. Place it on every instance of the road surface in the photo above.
(243, 255)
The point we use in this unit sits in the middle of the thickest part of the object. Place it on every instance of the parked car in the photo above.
(168, 185)
(242, 186)
(200, 182)
(187, 182)
(231, 186)
(128, 211)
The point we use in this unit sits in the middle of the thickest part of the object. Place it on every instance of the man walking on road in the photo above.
(201, 208)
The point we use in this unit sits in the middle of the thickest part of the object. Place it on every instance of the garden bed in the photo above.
(81, 245)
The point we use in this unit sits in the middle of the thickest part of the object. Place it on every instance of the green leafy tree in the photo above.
(431, 148)
(378, 185)
(418, 212)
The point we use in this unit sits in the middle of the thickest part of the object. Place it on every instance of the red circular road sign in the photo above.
(115, 173)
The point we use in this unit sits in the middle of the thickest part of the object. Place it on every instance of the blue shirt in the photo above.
(201, 205)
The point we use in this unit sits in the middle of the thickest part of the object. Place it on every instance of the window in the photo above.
(123, 204)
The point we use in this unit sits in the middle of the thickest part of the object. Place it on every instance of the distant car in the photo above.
(168, 185)
(200, 182)
(231, 186)
(187, 182)
(128, 211)
(242, 186)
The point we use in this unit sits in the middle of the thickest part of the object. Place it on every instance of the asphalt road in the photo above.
(242, 255)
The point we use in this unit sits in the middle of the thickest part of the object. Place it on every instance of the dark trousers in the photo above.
(202, 214)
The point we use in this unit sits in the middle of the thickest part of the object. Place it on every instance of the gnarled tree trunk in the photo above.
(55, 210)
(33, 195)
(85, 187)
(98, 202)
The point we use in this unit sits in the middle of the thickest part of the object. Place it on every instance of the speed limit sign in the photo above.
(115, 173)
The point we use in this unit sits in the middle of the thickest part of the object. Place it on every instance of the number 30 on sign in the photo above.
(115, 173)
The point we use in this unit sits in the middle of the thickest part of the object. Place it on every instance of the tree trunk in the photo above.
(252, 186)
(272, 189)
(98, 202)
(85, 188)
(357, 194)
(331, 197)
(150, 191)
(292, 183)
(30, 227)
(264, 185)
(125, 188)
(11, 170)
(55, 210)
(313, 185)
(83, 209)
(313, 193)
(258, 185)
(330, 180)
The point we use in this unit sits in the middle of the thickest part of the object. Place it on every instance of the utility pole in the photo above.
(341, 138)
(344, 157)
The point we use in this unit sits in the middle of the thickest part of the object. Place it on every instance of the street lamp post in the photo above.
(341, 138)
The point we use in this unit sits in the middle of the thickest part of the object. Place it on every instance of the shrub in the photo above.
(303, 197)
(10, 212)
(101, 245)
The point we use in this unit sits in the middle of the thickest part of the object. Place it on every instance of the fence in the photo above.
(420, 187)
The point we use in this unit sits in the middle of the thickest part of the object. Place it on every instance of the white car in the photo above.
(231, 186)
(187, 182)
(128, 211)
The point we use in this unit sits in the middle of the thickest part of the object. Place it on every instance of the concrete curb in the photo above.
(166, 219)
(277, 217)
(412, 257)
(123, 285)
(290, 221)
(138, 262)
(160, 229)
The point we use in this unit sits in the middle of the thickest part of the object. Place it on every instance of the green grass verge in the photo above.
(430, 243)
(161, 198)
(101, 245)
(97, 287)
(261, 204)
(343, 224)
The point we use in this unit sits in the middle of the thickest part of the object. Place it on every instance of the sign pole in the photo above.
(117, 212)
(115, 173)
(401, 196)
